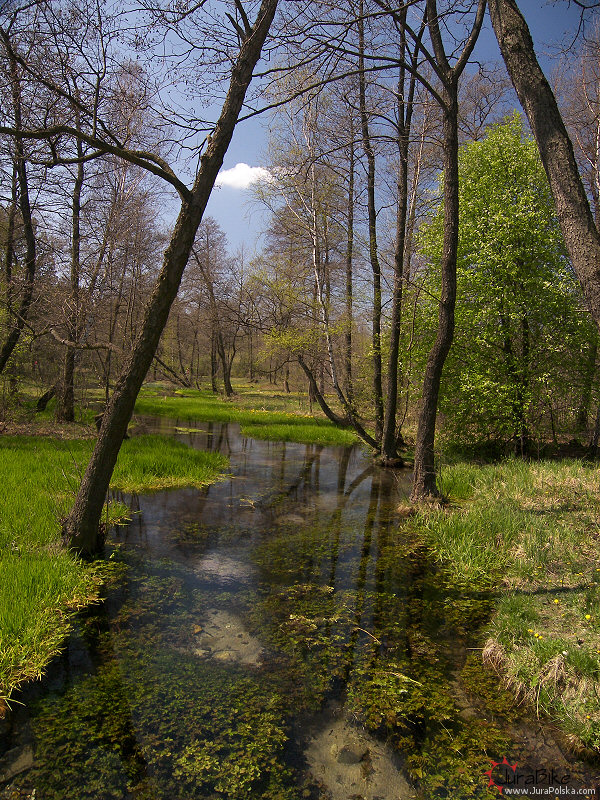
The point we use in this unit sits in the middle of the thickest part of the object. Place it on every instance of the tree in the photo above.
(424, 481)
(81, 528)
(20, 199)
(514, 283)
(212, 277)
(581, 236)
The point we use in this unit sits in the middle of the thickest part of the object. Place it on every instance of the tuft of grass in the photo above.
(39, 592)
(148, 463)
(41, 584)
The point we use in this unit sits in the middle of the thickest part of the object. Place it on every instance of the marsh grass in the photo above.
(262, 414)
(148, 463)
(41, 585)
(530, 533)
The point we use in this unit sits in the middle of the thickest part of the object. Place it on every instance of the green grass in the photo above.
(41, 584)
(262, 414)
(147, 463)
(530, 534)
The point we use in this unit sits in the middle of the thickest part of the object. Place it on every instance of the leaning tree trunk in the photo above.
(81, 528)
(556, 151)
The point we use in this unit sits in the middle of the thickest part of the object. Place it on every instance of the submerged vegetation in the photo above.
(42, 584)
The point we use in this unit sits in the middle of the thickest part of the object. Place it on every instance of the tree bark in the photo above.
(373, 250)
(424, 481)
(589, 371)
(65, 408)
(556, 150)
(81, 528)
(25, 208)
(389, 450)
(349, 260)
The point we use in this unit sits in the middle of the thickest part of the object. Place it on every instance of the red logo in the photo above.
(503, 763)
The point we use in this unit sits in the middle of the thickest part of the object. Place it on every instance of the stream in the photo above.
(278, 635)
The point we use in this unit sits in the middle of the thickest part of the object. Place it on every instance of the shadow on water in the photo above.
(261, 638)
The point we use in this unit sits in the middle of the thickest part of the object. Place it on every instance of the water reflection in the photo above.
(240, 610)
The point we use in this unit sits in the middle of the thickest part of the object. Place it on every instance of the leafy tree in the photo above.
(518, 331)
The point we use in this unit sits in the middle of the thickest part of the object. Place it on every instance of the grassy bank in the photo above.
(261, 413)
(530, 534)
(41, 584)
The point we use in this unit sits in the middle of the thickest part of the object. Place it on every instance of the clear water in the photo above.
(253, 631)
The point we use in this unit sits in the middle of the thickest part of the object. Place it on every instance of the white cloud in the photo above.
(241, 176)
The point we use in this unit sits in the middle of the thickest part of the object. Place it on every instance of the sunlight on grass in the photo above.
(260, 415)
(531, 533)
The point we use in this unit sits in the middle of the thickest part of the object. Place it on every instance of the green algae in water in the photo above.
(164, 727)
(160, 724)
(344, 605)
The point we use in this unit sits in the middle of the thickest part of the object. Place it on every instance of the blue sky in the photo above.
(551, 25)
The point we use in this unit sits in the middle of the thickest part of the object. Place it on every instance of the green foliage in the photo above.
(520, 335)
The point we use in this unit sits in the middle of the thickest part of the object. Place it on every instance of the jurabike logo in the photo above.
(509, 780)
(490, 773)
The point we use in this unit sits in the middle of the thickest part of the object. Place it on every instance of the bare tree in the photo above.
(81, 528)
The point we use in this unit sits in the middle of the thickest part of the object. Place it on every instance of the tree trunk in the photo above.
(213, 365)
(65, 407)
(81, 528)
(373, 251)
(44, 399)
(25, 207)
(424, 482)
(593, 445)
(389, 450)
(225, 365)
(349, 259)
(556, 151)
(589, 370)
